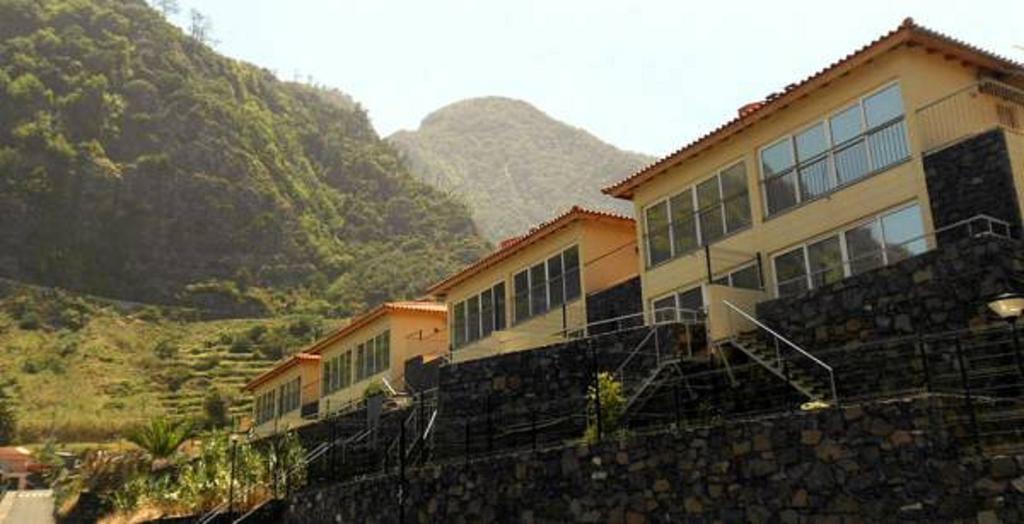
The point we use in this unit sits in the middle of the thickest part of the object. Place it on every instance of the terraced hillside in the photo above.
(84, 369)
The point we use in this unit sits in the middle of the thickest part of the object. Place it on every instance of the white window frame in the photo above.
(692, 187)
(465, 301)
(547, 282)
(730, 272)
(840, 233)
(830, 151)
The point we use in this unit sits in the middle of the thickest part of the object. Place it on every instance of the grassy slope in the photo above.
(82, 370)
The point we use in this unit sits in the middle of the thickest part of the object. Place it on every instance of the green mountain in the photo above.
(514, 165)
(137, 163)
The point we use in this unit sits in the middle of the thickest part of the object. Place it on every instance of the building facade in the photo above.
(835, 176)
(533, 290)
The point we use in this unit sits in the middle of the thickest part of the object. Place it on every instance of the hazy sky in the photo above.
(647, 76)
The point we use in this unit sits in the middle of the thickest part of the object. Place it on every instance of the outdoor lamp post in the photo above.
(1009, 307)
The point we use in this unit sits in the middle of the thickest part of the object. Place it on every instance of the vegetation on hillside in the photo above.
(83, 369)
(514, 165)
(137, 163)
(132, 486)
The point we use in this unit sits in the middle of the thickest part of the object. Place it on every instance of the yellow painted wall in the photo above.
(922, 77)
(308, 392)
(405, 328)
(595, 238)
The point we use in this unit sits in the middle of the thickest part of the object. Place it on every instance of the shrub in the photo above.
(165, 349)
(216, 408)
(8, 420)
(613, 405)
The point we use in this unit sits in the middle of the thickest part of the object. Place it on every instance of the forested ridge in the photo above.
(137, 163)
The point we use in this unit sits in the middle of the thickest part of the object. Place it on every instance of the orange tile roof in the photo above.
(908, 33)
(280, 368)
(516, 244)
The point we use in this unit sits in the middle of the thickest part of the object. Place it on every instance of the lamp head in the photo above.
(1009, 306)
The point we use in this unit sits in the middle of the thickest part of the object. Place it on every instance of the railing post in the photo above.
(401, 473)
(466, 453)
(967, 393)
(597, 390)
(533, 429)
(923, 352)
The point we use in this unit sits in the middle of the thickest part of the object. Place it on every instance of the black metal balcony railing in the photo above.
(979, 107)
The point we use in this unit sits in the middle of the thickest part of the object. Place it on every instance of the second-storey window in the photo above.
(265, 406)
(288, 396)
(478, 316)
(373, 356)
(547, 285)
(698, 216)
(884, 239)
(337, 373)
(864, 138)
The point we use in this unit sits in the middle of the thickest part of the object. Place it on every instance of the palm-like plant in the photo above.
(161, 437)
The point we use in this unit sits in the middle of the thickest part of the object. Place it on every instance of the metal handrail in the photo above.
(786, 341)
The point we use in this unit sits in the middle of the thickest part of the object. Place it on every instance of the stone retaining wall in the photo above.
(875, 462)
(971, 178)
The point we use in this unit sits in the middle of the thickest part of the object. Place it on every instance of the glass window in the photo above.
(664, 309)
(684, 222)
(888, 145)
(486, 313)
(383, 351)
(903, 231)
(572, 273)
(846, 125)
(499, 307)
(746, 278)
(692, 300)
(781, 192)
(522, 296)
(538, 290)
(658, 247)
(883, 106)
(735, 194)
(360, 361)
(851, 162)
(777, 158)
(836, 154)
(458, 325)
(712, 226)
(811, 142)
(555, 282)
(826, 261)
(791, 272)
(815, 178)
(473, 318)
(864, 245)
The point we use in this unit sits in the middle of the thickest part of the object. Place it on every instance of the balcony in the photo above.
(979, 107)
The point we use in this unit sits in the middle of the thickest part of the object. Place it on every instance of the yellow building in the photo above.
(334, 373)
(821, 181)
(374, 348)
(533, 290)
(280, 395)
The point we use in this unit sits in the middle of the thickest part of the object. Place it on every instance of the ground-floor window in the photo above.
(478, 316)
(678, 306)
(884, 239)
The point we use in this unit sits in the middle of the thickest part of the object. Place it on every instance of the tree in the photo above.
(167, 7)
(8, 420)
(200, 27)
(161, 437)
(215, 409)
